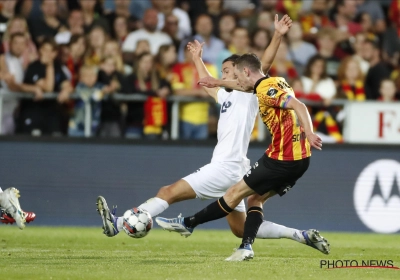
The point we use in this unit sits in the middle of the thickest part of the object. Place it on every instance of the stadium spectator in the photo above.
(326, 41)
(166, 8)
(111, 49)
(375, 13)
(268, 5)
(365, 21)
(315, 80)
(378, 70)
(193, 115)
(212, 47)
(7, 12)
(299, 51)
(316, 19)
(75, 27)
(345, 12)
(92, 17)
(74, 61)
(44, 117)
(121, 30)
(148, 32)
(75, 22)
(216, 11)
(121, 10)
(18, 25)
(171, 28)
(387, 91)
(394, 15)
(226, 25)
(351, 80)
(49, 25)
(242, 9)
(260, 41)
(240, 41)
(165, 60)
(12, 76)
(293, 8)
(149, 118)
(136, 8)
(318, 86)
(96, 40)
(111, 78)
(281, 66)
(88, 90)
(263, 20)
(143, 46)
(357, 47)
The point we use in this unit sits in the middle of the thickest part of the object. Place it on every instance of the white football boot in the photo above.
(175, 224)
(109, 218)
(242, 254)
(316, 241)
(9, 201)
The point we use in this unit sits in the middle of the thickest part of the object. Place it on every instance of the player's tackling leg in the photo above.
(9, 202)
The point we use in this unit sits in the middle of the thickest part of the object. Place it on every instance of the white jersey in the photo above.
(235, 125)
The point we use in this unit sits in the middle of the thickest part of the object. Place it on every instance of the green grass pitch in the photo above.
(85, 253)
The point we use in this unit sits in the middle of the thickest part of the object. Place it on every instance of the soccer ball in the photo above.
(137, 222)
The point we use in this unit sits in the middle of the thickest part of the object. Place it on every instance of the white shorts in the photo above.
(214, 179)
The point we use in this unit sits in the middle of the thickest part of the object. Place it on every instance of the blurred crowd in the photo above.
(344, 49)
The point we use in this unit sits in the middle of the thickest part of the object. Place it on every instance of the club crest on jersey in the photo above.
(272, 92)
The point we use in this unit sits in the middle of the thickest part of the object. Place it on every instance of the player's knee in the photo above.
(165, 193)
(254, 200)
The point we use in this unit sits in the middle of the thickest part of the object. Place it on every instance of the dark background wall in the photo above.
(61, 180)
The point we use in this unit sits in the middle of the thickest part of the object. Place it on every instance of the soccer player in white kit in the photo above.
(229, 162)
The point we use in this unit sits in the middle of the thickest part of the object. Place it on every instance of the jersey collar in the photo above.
(259, 81)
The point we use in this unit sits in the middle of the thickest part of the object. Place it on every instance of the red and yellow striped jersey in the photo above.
(289, 141)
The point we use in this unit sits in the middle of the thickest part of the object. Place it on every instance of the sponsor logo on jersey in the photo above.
(377, 196)
(272, 92)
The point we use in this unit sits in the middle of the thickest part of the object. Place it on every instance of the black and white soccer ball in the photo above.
(137, 222)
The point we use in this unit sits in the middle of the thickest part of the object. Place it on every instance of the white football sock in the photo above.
(120, 223)
(154, 206)
(270, 230)
(1, 190)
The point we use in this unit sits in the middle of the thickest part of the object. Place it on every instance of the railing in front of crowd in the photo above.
(175, 100)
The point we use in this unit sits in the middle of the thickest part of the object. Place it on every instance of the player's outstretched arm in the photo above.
(196, 49)
(210, 82)
(305, 121)
(281, 28)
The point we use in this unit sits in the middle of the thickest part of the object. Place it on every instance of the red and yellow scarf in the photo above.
(355, 92)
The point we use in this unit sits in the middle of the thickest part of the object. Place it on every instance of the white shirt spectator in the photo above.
(301, 53)
(325, 88)
(156, 39)
(184, 25)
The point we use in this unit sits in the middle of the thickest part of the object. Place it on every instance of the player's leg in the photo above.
(9, 201)
(236, 221)
(253, 221)
(179, 191)
(216, 210)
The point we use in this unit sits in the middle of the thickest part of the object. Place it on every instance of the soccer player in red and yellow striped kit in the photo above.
(283, 163)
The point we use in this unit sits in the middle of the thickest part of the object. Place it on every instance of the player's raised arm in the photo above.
(196, 49)
(281, 28)
(305, 121)
(210, 82)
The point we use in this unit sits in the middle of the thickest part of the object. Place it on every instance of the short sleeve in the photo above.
(274, 93)
(221, 95)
